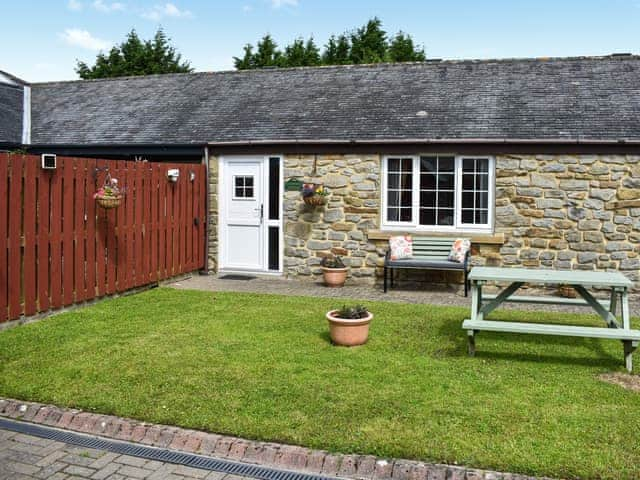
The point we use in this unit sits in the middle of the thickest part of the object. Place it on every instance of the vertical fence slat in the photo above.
(29, 251)
(101, 234)
(4, 267)
(15, 233)
(90, 244)
(162, 222)
(138, 222)
(44, 212)
(155, 196)
(121, 240)
(55, 225)
(111, 224)
(79, 231)
(68, 205)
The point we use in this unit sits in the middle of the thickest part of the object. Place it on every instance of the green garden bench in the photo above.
(428, 254)
(615, 329)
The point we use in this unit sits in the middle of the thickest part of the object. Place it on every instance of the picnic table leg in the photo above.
(606, 315)
(629, 347)
(613, 303)
(476, 299)
(472, 342)
(626, 321)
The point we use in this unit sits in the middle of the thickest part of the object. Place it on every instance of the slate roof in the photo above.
(10, 113)
(586, 98)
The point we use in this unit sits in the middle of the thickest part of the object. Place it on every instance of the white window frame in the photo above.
(244, 188)
(415, 210)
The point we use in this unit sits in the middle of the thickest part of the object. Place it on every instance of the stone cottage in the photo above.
(535, 160)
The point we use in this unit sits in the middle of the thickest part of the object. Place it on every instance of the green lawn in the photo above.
(262, 367)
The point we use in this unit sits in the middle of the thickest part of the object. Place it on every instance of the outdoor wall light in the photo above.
(192, 176)
(48, 161)
(173, 174)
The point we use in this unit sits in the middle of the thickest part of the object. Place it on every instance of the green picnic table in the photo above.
(617, 328)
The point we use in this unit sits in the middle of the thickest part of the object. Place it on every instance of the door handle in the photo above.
(261, 211)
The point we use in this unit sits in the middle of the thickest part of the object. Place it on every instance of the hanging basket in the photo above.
(109, 202)
(315, 200)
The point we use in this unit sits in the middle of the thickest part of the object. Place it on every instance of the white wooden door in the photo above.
(243, 236)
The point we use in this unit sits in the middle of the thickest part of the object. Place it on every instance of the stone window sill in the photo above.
(486, 238)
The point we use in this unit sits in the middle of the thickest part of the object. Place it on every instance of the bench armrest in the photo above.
(466, 259)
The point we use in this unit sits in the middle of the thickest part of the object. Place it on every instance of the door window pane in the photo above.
(243, 186)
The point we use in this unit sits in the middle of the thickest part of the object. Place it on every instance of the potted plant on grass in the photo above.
(349, 326)
(334, 271)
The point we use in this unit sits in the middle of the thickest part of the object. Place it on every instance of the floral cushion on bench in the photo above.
(400, 246)
(459, 250)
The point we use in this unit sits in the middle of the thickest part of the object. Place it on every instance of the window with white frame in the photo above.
(438, 192)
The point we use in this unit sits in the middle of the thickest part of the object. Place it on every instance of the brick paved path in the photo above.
(25, 457)
(439, 294)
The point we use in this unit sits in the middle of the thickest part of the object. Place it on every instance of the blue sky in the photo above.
(40, 40)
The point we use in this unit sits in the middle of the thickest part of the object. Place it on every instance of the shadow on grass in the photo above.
(521, 347)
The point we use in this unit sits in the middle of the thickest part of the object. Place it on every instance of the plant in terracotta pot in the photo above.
(567, 291)
(334, 271)
(349, 326)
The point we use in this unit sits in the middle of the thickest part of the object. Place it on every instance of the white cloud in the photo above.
(284, 3)
(83, 39)
(74, 5)
(167, 10)
(108, 7)
(247, 8)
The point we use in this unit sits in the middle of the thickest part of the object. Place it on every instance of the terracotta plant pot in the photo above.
(567, 291)
(334, 277)
(347, 331)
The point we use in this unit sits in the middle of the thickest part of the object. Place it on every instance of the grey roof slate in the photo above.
(594, 98)
(10, 113)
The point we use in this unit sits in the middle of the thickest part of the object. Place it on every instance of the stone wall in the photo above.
(553, 211)
(341, 226)
(569, 212)
(212, 220)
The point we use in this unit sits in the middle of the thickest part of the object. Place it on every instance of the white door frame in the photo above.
(223, 161)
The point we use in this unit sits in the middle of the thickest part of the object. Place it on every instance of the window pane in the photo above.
(467, 181)
(467, 199)
(428, 199)
(405, 214)
(446, 164)
(445, 216)
(393, 198)
(406, 197)
(468, 165)
(482, 165)
(427, 182)
(427, 216)
(394, 181)
(248, 192)
(482, 199)
(482, 216)
(467, 216)
(406, 180)
(445, 199)
(407, 164)
(446, 181)
(239, 181)
(393, 214)
(482, 182)
(393, 164)
(248, 181)
(239, 192)
(428, 164)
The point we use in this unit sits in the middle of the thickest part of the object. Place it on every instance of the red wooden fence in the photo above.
(58, 247)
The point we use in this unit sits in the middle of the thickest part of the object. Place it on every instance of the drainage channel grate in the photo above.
(154, 453)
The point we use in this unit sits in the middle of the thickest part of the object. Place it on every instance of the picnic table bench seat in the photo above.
(429, 253)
